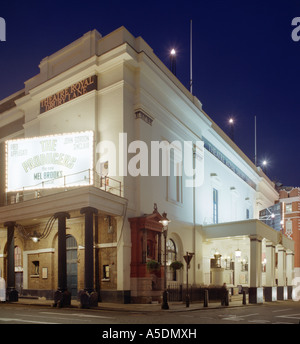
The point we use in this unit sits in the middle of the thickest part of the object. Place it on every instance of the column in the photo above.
(12, 294)
(255, 290)
(270, 264)
(290, 272)
(289, 267)
(62, 297)
(255, 261)
(62, 252)
(270, 291)
(237, 270)
(281, 273)
(89, 249)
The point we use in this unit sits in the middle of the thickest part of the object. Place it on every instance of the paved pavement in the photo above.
(235, 301)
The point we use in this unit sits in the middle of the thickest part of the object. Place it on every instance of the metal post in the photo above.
(244, 297)
(187, 297)
(187, 259)
(165, 293)
(227, 298)
(191, 56)
(232, 131)
(205, 298)
(255, 151)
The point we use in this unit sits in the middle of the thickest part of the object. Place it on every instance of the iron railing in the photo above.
(177, 292)
(62, 184)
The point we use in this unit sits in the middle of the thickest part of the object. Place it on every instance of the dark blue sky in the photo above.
(245, 62)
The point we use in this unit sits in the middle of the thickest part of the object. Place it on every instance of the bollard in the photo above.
(227, 298)
(244, 297)
(205, 298)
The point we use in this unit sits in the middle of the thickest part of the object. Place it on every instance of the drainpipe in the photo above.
(194, 215)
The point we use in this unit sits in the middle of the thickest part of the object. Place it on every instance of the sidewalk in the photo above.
(236, 301)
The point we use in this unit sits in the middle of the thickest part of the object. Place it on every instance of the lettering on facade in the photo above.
(219, 155)
(72, 92)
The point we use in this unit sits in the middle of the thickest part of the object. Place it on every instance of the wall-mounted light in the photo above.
(238, 253)
(35, 237)
(109, 224)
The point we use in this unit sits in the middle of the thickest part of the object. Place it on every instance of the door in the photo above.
(71, 244)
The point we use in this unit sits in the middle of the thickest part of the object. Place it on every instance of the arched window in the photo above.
(171, 257)
(171, 251)
(71, 247)
(18, 257)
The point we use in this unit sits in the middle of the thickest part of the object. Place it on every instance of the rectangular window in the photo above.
(215, 206)
(36, 267)
(174, 181)
(288, 208)
(105, 271)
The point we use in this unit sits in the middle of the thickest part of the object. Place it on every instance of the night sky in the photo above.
(245, 62)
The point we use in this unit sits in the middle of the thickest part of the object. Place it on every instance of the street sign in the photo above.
(188, 258)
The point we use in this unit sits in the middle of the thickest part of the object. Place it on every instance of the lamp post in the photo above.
(265, 163)
(173, 61)
(165, 223)
(231, 123)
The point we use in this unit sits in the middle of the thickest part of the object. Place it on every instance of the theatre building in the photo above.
(95, 152)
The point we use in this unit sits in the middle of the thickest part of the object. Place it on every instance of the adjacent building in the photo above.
(94, 150)
(290, 200)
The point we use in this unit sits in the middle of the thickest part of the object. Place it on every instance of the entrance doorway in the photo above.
(71, 245)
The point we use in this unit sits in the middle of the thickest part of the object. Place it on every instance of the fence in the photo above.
(177, 292)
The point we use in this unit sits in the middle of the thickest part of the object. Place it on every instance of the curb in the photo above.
(123, 308)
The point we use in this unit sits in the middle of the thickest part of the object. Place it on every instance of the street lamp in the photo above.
(265, 163)
(165, 222)
(231, 123)
(173, 61)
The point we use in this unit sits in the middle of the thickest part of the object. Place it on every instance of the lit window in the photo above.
(288, 208)
(18, 257)
(171, 257)
(105, 271)
(36, 267)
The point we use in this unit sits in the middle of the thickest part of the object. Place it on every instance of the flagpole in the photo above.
(255, 152)
(191, 57)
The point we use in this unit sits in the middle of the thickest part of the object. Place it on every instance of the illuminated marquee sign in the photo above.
(74, 91)
(49, 161)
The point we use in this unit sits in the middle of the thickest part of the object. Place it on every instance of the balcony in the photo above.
(103, 193)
